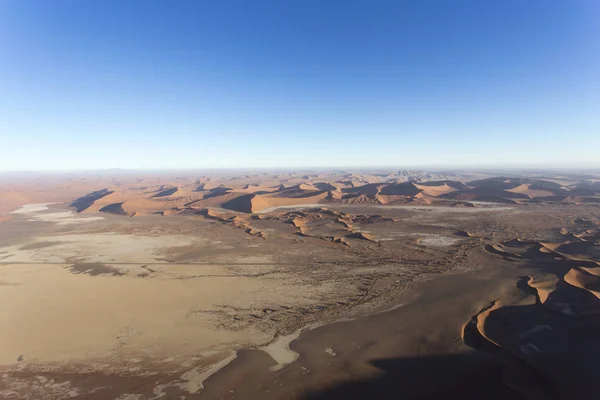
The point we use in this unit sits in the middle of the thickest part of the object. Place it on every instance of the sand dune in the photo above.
(555, 323)
(251, 194)
(500, 189)
(217, 200)
(260, 202)
(11, 200)
(333, 226)
(370, 190)
(580, 250)
(400, 189)
(166, 192)
(533, 250)
(527, 189)
(581, 278)
(325, 186)
(436, 190)
(150, 307)
(114, 208)
(13, 195)
(544, 287)
(85, 202)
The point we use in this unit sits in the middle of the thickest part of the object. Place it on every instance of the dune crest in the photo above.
(252, 194)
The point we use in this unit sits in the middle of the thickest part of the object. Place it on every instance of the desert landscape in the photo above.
(299, 284)
(299, 200)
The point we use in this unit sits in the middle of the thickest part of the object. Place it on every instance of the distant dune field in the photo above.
(253, 193)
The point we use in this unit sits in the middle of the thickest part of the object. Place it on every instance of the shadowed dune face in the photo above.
(584, 278)
(242, 203)
(555, 327)
(502, 189)
(114, 208)
(369, 190)
(251, 195)
(218, 191)
(457, 376)
(86, 201)
(436, 189)
(537, 341)
(555, 332)
(166, 192)
(484, 193)
(400, 189)
(325, 186)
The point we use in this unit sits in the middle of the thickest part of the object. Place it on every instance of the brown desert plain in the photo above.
(339, 284)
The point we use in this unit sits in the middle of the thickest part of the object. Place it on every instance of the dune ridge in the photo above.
(561, 299)
(251, 195)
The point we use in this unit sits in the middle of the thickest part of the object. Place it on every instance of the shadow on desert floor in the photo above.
(452, 376)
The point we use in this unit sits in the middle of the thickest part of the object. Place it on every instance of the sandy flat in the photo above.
(94, 317)
(273, 284)
(96, 247)
(31, 208)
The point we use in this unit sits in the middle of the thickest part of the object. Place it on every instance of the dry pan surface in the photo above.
(138, 296)
(99, 306)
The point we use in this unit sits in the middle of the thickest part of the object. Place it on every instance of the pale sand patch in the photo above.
(98, 247)
(438, 240)
(35, 212)
(91, 302)
(32, 208)
(427, 239)
(95, 317)
(63, 218)
(280, 350)
(194, 378)
(106, 320)
(330, 351)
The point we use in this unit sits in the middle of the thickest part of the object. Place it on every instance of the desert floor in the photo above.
(316, 300)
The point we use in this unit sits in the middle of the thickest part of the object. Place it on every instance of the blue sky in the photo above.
(299, 83)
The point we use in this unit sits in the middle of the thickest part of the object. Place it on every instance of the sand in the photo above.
(112, 317)
(526, 189)
(350, 351)
(31, 208)
(292, 284)
(260, 192)
(38, 212)
(436, 190)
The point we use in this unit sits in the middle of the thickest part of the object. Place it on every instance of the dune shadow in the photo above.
(451, 376)
(86, 201)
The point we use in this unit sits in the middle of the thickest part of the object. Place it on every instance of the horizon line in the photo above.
(430, 168)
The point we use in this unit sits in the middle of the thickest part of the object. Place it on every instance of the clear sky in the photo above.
(88, 84)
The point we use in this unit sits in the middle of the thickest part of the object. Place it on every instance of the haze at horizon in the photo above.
(150, 85)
